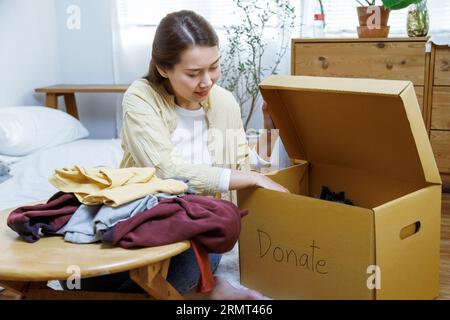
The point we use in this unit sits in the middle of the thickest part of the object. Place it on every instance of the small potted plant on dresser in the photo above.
(373, 19)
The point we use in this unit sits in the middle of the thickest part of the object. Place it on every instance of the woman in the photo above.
(179, 121)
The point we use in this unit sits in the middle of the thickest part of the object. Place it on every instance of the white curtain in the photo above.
(134, 23)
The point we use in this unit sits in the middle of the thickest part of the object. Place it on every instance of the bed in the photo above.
(29, 171)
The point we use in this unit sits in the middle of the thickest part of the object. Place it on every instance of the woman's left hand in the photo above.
(268, 123)
(267, 139)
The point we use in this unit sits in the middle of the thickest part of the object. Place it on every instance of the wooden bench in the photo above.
(68, 92)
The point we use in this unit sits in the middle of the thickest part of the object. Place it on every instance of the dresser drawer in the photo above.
(380, 60)
(442, 67)
(440, 141)
(440, 112)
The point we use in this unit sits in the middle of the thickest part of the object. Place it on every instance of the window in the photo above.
(138, 19)
(341, 15)
(220, 13)
(145, 13)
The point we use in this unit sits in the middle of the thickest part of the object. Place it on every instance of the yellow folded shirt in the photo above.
(113, 187)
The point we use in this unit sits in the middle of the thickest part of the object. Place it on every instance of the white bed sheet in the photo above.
(29, 182)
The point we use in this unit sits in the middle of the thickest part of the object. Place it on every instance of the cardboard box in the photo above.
(365, 137)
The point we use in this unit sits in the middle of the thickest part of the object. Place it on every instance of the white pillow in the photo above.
(10, 159)
(27, 129)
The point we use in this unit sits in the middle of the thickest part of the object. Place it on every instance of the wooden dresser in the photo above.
(439, 109)
(388, 58)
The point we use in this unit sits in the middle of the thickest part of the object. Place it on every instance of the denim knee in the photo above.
(183, 275)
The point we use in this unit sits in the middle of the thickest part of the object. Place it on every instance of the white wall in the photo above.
(37, 49)
(86, 57)
(29, 55)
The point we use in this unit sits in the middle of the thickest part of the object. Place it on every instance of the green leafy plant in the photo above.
(242, 61)
(322, 11)
(390, 4)
(321, 6)
(369, 3)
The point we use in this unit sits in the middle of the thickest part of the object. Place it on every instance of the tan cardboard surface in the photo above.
(329, 260)
(366, 138)
(361, 124)
(422, 141)
(410, 266)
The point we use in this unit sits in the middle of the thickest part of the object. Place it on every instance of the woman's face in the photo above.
(193, 77)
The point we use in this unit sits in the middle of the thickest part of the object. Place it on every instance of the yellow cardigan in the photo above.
(149, 120)
(113, 187)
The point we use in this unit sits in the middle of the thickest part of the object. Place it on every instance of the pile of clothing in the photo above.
(329, 195)
(130, 208)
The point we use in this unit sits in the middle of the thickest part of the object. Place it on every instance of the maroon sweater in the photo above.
(213, 223)
(49, 217)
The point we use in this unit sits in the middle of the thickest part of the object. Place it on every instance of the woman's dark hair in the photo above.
(176, 32)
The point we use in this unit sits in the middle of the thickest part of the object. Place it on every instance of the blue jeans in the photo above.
(183, 275)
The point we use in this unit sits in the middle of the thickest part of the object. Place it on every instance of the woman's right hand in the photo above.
(265, 182)
(246, 179)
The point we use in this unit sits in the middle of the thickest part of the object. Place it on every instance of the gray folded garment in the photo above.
(4, 172)
(88, 223)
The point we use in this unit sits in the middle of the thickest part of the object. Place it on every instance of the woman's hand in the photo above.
(265, 182)
(242, 179)
(268, 123)
(266, 140)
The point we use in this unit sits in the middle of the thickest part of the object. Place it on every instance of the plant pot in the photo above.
(365, 15)
(366, 32)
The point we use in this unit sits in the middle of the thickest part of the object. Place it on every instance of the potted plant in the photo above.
(418, 21)
(248, 56)
(373, 19)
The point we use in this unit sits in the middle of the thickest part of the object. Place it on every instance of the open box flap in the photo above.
(366, 124)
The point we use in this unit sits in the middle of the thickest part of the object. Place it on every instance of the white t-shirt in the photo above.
(190, 139)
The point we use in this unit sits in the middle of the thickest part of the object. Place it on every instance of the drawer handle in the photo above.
(324, 62)
(445, 66)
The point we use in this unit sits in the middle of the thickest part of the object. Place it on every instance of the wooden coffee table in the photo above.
(25, 268)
